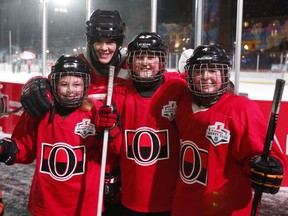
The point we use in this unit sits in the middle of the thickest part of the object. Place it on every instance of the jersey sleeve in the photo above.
(253, 126)
(25, 135)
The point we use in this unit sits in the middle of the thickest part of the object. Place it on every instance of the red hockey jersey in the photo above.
(150, 147)
(67, 172)
(216, 146)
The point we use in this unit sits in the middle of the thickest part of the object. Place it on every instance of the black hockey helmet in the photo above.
(148, 41)
(68, 65)
(206, 54)
(105, 24)
(208, 57)
(147, 44)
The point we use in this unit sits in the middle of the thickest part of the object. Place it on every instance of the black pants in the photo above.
(112, 209)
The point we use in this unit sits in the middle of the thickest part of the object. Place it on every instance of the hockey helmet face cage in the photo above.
(208, 71)
(105, 24)
(65, 75)
(147, 57)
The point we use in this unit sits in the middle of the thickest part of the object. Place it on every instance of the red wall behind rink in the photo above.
(12, 91)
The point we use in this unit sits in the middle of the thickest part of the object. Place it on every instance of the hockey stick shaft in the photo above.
(105, 143)
(278, 92)
(279, 87)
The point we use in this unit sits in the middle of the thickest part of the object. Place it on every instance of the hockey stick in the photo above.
(280, 83)
(105, 143)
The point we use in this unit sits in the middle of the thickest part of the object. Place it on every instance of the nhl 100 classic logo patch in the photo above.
(169, 110)
(217, 134)
(85, 128)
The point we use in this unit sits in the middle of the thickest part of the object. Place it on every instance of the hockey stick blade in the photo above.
(278, 92)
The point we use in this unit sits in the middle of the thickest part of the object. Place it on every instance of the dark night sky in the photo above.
(265, 8)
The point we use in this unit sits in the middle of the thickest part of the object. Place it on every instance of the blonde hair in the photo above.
(87, 105)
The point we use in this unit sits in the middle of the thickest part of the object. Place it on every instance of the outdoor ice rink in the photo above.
(15, 180)
(258, 85)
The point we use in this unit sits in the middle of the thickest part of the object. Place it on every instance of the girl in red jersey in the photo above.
(149, 149)
(105, 32)
(221, 136)
(65, 143)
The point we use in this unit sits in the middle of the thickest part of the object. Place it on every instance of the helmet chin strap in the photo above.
(103, 69)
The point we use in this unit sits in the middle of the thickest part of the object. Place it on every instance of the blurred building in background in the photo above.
(264, 36)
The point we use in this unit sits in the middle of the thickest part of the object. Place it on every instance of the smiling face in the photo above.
(208, 71)
(105, 49)
(207, 82)
(70, 87)
(207, 79)
(145, 65)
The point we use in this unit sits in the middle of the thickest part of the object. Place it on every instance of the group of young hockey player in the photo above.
(180, 144)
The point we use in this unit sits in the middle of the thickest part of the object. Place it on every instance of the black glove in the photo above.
(36, 97)
(112, 187)
(109, 119)
(266, 176)
(8, 151)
